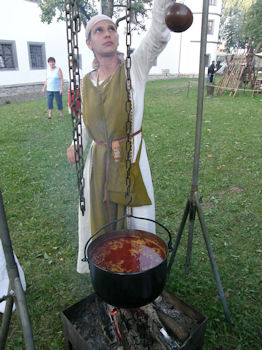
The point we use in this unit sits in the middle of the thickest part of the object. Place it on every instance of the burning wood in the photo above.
(150, 328)
(165, 324)
(106, 323)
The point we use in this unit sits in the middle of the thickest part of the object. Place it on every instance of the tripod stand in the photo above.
(193, 204)
(16, 292)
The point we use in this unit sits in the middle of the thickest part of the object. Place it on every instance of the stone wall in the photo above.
(167, 75)
(28, 92)
(22, 92)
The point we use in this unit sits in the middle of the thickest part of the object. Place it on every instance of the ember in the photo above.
(167, 323)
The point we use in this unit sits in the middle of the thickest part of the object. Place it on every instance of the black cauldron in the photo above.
(127, 290)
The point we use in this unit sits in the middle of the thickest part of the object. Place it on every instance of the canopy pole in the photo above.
(193, 204)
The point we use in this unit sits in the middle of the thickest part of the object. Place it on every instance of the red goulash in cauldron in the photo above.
(128, 254)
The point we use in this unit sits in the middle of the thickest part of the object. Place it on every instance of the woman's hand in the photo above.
(71, 154)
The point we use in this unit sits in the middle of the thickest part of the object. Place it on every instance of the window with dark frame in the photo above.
(37, 55)
(213, 2)
(8, 55)
(210, 27)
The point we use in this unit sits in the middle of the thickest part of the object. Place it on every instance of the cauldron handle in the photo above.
(158, 223)
(121, 219)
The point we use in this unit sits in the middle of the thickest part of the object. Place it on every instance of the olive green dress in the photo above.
(104, 115)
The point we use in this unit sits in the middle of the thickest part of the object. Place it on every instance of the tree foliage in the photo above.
(52, 9)
(231, 27)
(241, 20)
(230, 5)
(231, 23)
(253, 22)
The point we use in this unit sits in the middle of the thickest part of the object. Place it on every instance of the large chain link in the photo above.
(128, 102)
(73, 26)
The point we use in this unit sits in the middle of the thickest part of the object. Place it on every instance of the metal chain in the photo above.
(73, 26)
(128, 195)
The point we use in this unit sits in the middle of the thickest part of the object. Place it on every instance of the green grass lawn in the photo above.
(41, 197)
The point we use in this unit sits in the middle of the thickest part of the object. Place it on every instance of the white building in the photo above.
(181, 56)
(26, 43)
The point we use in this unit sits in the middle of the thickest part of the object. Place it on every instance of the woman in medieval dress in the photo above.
(104, 99)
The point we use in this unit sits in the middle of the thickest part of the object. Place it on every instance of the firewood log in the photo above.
(181, 306)
(172, 326)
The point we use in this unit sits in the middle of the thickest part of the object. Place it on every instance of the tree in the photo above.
(230, 5)
(253, 22)
(55, 9)
(231, 29)
(232, 24)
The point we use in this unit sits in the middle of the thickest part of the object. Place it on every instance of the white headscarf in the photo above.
(94, 20)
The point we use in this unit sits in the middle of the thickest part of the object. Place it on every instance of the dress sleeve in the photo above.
(154, 42)
(85, 136)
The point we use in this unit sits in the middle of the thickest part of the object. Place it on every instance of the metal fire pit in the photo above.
(83, 330)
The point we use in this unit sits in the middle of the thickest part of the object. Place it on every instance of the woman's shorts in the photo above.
(50, 98)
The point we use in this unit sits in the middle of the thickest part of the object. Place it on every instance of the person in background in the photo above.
(104, 99)
(251, 54)
(53, 87)
(211, 71)
(218, 66)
